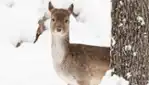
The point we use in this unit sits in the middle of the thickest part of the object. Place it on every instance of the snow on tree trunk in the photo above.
(130, 40)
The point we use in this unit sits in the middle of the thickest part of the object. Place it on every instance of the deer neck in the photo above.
(59, 48)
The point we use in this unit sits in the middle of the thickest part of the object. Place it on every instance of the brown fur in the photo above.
(76, 64)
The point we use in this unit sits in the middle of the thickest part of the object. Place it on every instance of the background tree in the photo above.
(130, 40)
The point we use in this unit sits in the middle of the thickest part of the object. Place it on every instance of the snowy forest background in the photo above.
(31, 64)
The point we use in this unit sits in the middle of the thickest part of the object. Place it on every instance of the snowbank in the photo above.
(113, 80)
(30, 64)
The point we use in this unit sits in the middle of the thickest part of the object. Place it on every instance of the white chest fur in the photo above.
(58, 53)
(58, 49)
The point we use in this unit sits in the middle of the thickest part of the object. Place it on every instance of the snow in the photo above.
(113, 80)
(120, 25)
(134, 53)
(141, 20)
(128, 75)
(96, 27)
(128, 47)
(121, 3)
(148, 83)
(124, 20)
(145, 35)
(31, 64)
(113, 41)
(18, 23)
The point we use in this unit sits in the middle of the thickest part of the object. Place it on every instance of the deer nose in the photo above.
(59, 29)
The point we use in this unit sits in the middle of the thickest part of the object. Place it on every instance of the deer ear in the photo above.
(70, 9)
(50, 6)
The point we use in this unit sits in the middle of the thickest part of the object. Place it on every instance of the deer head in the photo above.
(59, 20)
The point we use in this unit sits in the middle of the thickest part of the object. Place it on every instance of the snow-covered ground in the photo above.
(31, 64)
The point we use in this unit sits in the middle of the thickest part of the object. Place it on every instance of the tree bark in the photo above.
(130, 40)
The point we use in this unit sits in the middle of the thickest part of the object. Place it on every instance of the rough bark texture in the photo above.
(130, 31)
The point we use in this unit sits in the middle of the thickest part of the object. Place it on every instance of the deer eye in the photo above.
(66, 21)
(53, 20)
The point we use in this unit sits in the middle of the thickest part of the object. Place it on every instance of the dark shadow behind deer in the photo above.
(76, 64)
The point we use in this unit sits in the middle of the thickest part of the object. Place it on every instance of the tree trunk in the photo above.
(130, 40)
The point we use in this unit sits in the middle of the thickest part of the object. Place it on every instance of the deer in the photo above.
(75, 64)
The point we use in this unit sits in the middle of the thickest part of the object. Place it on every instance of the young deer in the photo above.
(76, 64)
